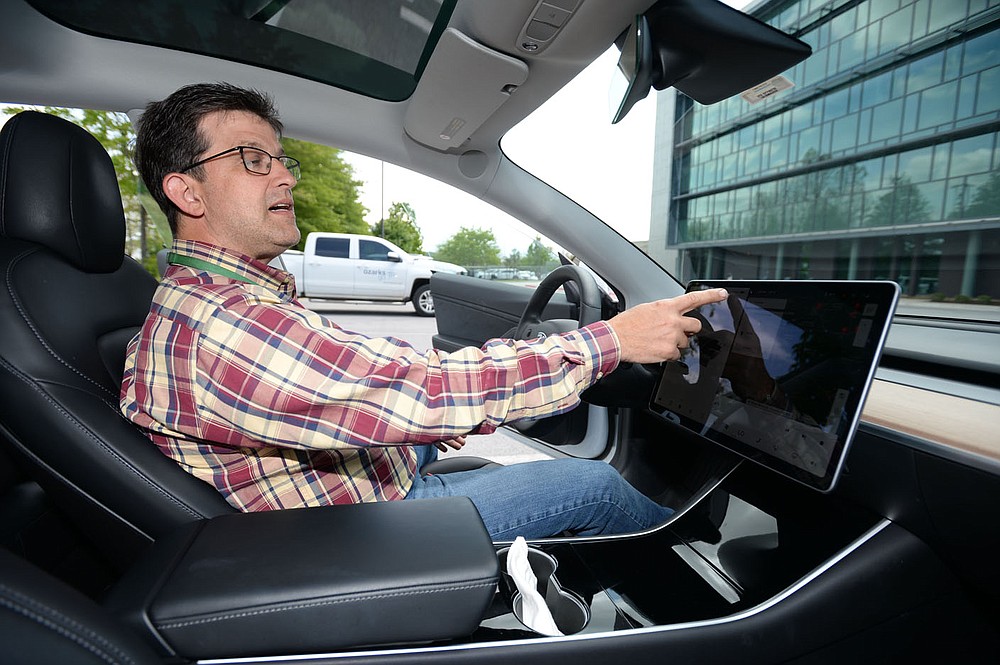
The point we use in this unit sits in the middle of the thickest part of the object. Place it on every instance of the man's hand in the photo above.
(657, 331)
(450, 444)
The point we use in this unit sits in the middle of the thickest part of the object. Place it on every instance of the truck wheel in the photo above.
(423, 301)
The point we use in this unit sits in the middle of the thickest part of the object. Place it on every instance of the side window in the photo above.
(430, 219)
(335, 248)
(373, 251)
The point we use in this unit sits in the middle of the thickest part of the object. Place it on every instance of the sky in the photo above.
(568, 142)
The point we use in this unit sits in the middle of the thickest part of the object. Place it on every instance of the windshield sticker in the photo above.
(770, 87)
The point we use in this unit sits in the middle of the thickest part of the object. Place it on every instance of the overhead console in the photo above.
(544, 25)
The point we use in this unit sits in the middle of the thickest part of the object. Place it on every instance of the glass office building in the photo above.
(883, 162)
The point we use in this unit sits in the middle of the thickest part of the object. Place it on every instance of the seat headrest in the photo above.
(58, 189)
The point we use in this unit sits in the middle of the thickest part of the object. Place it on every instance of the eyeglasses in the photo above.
(255, 161)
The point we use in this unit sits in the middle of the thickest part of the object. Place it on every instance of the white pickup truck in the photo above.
(346, 266)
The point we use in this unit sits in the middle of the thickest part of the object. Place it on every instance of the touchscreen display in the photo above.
(780, 370)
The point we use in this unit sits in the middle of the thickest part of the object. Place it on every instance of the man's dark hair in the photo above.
(168, 136)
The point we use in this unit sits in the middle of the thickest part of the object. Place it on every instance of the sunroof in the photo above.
(376, 48)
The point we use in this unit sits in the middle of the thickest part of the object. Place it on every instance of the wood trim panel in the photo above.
(956, 422)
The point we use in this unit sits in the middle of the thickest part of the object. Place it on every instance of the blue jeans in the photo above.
(545, 498)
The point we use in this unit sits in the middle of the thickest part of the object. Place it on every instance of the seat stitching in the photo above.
(111, 452)
(12, 126)
(83, 636)
(41, 340)
(356, 598)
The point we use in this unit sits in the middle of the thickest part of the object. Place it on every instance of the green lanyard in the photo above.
(198, 264)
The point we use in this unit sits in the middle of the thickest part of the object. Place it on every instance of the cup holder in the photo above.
(570, 613)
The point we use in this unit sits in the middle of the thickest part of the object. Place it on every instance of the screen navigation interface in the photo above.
(780, 370)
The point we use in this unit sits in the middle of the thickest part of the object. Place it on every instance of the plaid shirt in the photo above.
(279, 408)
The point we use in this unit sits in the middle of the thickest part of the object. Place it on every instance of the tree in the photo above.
(514, 259)
(986, 200)
(538, 255)
(818, 200)
(326, 198)
(470, 247)
(400, 228)
(903, 204)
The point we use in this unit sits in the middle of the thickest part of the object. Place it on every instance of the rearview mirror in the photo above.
(632, 77)
(704, 48)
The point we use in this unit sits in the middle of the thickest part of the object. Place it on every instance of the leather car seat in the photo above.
(70, 300)
(44, 621)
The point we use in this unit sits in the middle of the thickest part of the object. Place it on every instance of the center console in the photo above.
(738, 547)
(752, 560)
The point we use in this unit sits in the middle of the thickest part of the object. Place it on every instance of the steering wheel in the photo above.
(629, 385)
(531, 324)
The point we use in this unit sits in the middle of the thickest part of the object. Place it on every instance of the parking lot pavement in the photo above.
(390, 320)
(378, 320)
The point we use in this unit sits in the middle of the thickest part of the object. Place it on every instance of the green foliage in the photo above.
(160, 234)
(149, 263)
(470, 247)
(984, 299)
(400, 228)
(937, 296)
(538, 254)
(963, 299)
(478, 248)
(326, 198)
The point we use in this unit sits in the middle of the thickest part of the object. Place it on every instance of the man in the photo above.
(279, 408)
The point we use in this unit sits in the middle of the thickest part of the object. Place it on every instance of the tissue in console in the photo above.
(538, 600)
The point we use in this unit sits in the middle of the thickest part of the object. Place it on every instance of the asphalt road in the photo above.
(378, 320)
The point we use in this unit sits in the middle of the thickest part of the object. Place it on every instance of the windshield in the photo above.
(882, 162)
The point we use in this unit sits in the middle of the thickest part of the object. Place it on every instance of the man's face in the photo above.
(242, 211)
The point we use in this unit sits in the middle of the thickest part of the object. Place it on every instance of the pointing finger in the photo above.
(695, 299)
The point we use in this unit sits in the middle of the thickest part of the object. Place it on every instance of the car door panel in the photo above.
(471, 311)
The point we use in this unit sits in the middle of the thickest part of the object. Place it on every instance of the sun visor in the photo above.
(463, 84)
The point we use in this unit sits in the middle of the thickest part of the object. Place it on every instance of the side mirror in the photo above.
(633, 77)
(393, 256)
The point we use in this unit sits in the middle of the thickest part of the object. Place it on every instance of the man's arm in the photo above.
(657, 331)
(290, 378)
(280, 375)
